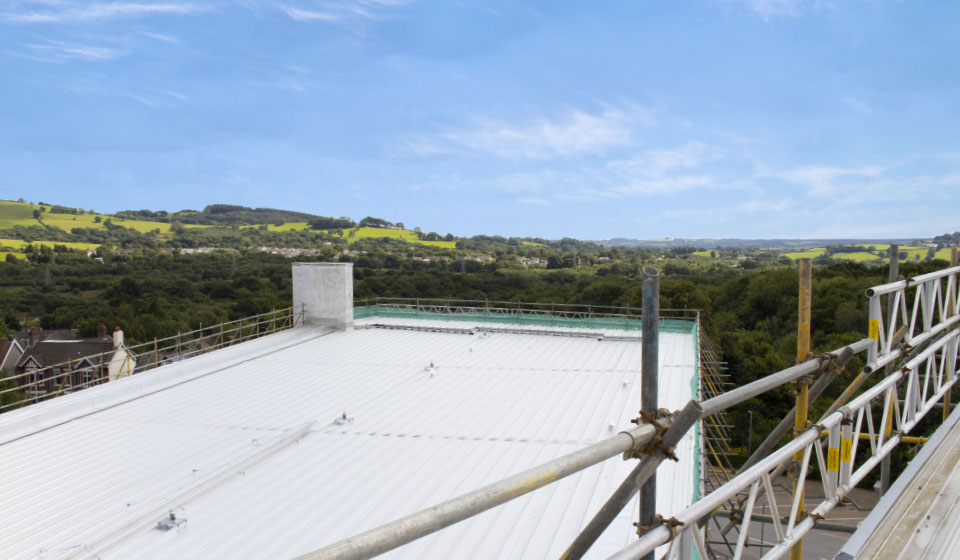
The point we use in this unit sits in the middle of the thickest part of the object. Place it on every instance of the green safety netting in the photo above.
(523, 318)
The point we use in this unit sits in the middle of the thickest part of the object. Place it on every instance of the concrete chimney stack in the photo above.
(101, 330)
(324, 292)
(117, 337)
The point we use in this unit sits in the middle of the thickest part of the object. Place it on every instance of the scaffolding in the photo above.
(837, 452)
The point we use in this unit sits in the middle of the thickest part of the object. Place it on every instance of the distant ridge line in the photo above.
(710, 243)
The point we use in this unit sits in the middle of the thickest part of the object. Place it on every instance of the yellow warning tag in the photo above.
(875, 329)
(833, 459)
(846, 446)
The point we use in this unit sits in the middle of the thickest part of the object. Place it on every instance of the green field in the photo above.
(705, 254)
(66, 222)
(912, 254)
(915, 253)
(21, 214)
(20, 244)
(806, 254)
(860, 256)
(359, 233)
(355, 234)
(16, 214)
(3, 255)
(288, 226)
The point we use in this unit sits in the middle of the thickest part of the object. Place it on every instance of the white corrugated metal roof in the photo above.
(244, 443)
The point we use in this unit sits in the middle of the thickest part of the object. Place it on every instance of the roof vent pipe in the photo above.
(323, 292)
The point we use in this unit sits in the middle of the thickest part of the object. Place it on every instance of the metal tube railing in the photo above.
(900, 284)
(715, 499)
(58, 379)
(557, 309)
(740, 394)
(682, 422)
(427, 521)
(929, 311)
(856, 410)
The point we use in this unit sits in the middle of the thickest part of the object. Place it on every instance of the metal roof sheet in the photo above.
(919, 516)
(249, 444)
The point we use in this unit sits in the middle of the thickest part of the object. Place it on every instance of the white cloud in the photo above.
(573, 134)
(761, 206)
(533, 201)
(825, 181)
(773, 8)
(60, 12)
(341, 12)
(174, 94)
(148, 101)
(161, 37)
(159, 98)
(660, 171)
(656, 163)
(734, 212)
(390, 3)
(857, 105)
(527, 181)
(299, 14)
(59, 51)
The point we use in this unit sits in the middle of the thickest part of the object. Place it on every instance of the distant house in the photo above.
(10, 352)
(55, 365)
(33, 334)
(532, 261)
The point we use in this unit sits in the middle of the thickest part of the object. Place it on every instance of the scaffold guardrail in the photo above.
(53, 380)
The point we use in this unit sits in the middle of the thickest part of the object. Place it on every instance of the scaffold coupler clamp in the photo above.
(821, 429)
(658, 520)
(828, 361)
(656, 443)
(799, 384)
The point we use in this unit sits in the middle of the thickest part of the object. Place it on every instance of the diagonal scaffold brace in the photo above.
(682, 422)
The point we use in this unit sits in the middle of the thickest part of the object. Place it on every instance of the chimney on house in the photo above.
(101, 330)
(324, 293)
(117, 337)
(33, 337)
(5, 344)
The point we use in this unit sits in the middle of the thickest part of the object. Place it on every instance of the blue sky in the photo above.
(644, 119)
